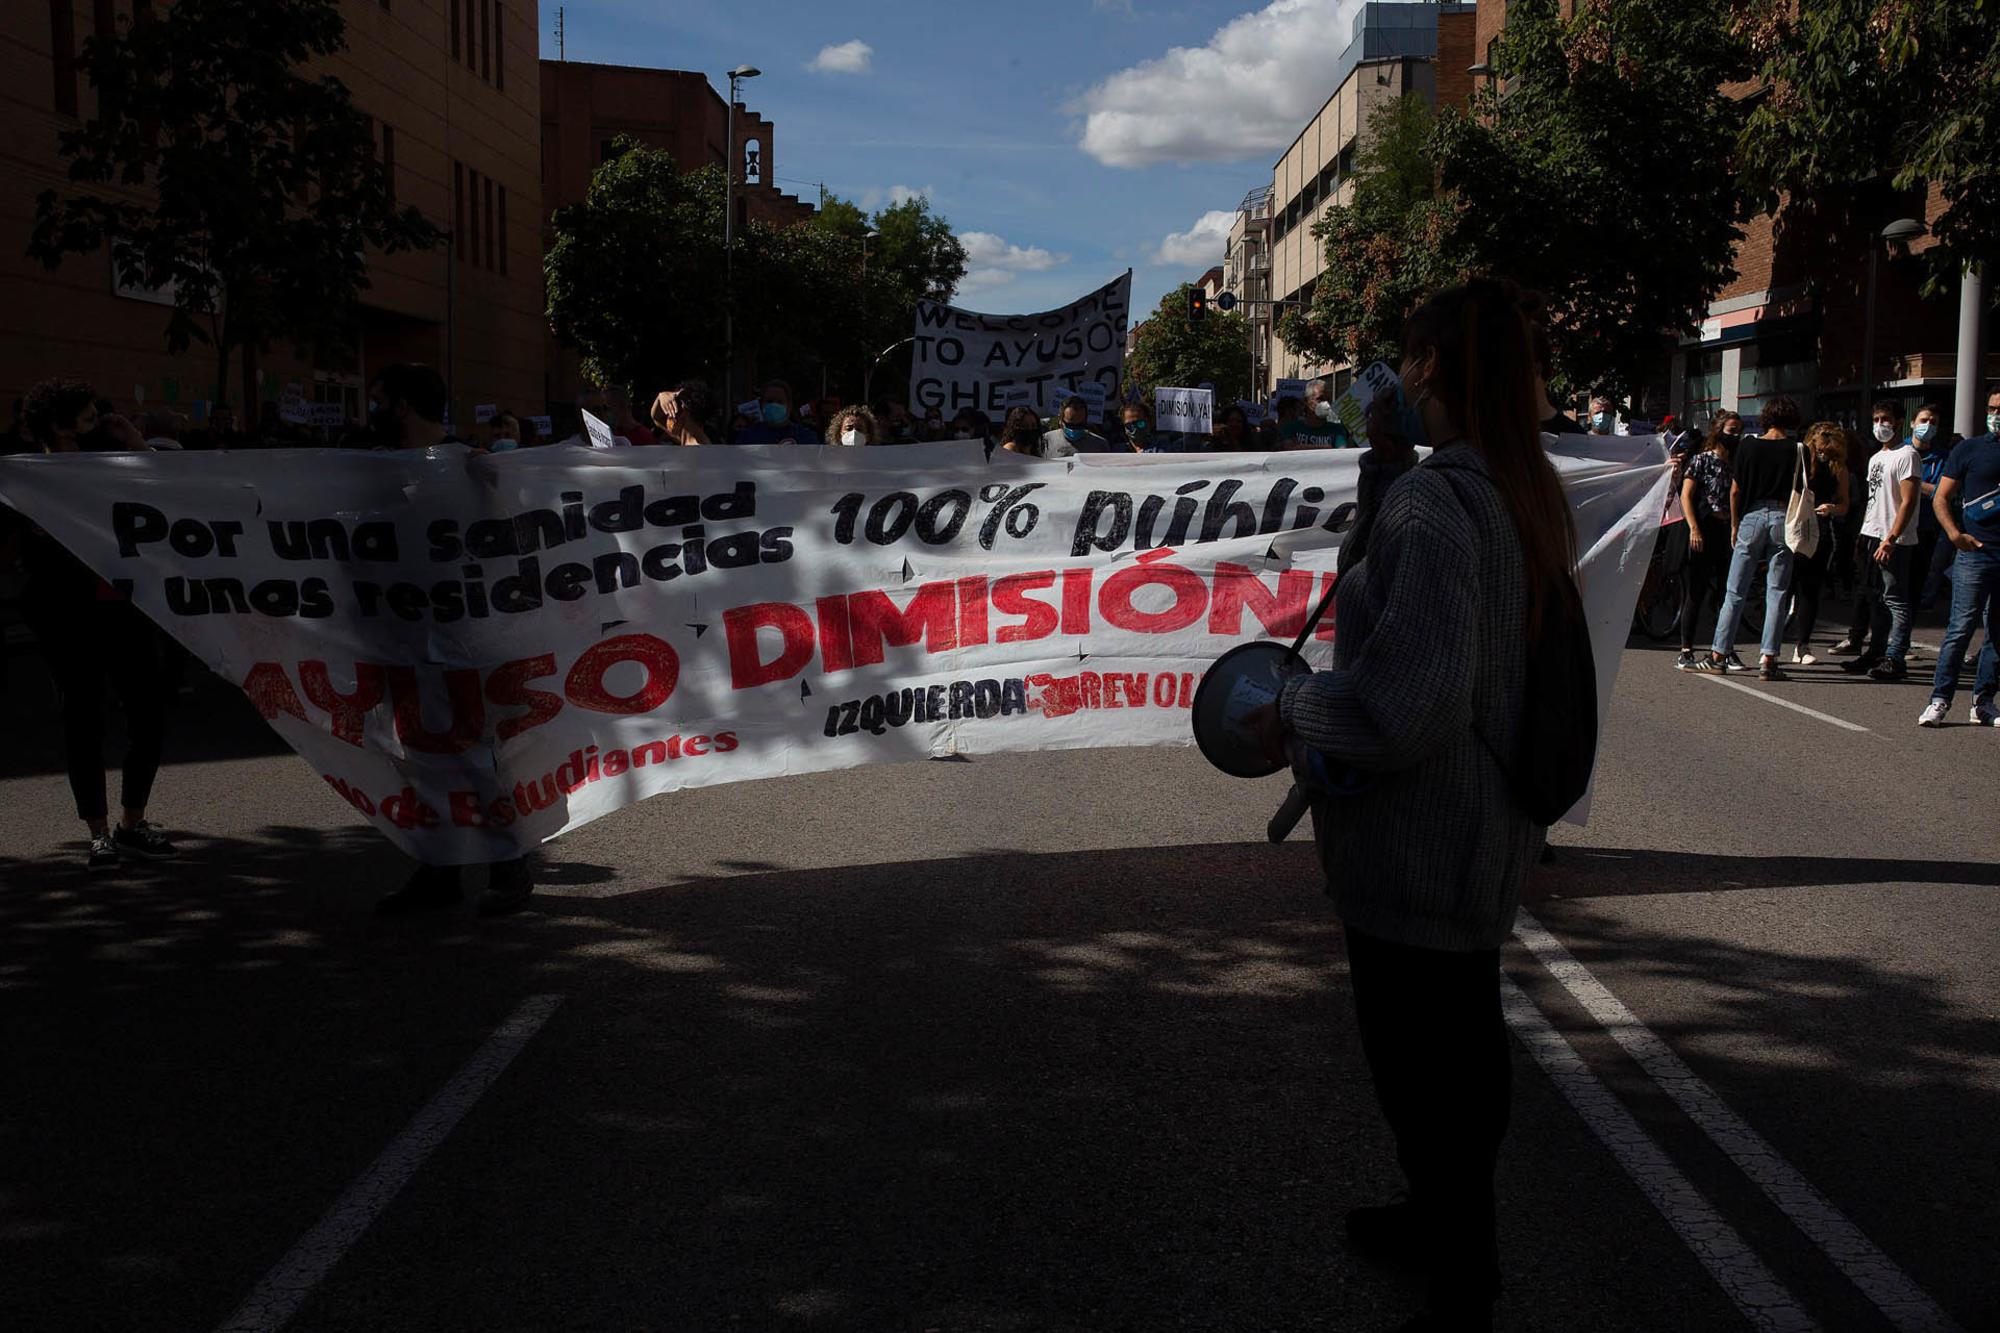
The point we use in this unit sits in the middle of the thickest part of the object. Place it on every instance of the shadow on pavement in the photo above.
(1109, 1090)
(1599, 872)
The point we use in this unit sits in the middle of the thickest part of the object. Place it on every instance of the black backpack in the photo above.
(1558, 751)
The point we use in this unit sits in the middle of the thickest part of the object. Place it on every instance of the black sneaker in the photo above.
(1735, 661)
(429, 889)
(1891, 669)
(1711, 664)
(1861, 665)
(508, 885)
(103, 854)
(142, 839)
(1685, 662)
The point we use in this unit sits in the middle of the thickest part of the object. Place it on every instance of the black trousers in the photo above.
(87, 646)
(1701, 584)
(1808, 585)
(1438, 1051)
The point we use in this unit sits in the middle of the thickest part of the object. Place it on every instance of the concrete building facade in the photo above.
(451, 88)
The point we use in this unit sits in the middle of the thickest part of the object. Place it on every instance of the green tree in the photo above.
(218, 165)
(1184, 353)
(635, 279)
(1603, 179)
(1868, 103)
(635, 272)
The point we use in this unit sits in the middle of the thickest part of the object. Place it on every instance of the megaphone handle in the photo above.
(1289, 814)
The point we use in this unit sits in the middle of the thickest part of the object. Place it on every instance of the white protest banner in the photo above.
(599, 431)
(1352, 407)
(328, 416)
(965, 359)
(479, 652)
(1191, 411)
(293, 409)
(484, 412)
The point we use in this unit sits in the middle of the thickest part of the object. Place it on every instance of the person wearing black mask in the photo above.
(407, 402)
(1021, 432)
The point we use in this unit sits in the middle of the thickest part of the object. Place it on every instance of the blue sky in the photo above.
(1065, 139)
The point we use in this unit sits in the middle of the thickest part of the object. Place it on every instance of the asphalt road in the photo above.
(1047, 1042)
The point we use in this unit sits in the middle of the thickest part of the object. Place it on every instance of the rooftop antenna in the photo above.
(562, 50)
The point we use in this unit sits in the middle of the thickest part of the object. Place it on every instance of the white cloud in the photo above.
(1200, 244)
(1246, 94)
(845, 58)
(875, 196)
(992, 262)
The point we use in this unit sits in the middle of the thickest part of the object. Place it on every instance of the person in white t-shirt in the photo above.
(1888, 535)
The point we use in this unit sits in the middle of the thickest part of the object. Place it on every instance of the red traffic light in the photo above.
(1197, 303)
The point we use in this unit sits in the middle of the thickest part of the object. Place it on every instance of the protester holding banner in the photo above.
(774, 424)
(503, 432)
(408, 400)
(1427, 860)
(853, 426)
(1073, 434)
(681, 413)
(1021, 432)
(89, 632)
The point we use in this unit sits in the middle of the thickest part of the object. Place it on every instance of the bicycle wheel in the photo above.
(1658, 615)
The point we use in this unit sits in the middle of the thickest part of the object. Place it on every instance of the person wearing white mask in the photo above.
(853, 427)
(1322, 427)
(1603, 416)
(1888, 535)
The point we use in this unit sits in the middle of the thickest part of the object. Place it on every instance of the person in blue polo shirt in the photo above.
(774, 424)
(1968, 514)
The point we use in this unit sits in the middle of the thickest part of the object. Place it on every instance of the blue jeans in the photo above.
(1761, 533)
(1975, 602)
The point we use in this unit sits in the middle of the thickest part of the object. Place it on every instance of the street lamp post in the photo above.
(1900, 232)
(736, 76)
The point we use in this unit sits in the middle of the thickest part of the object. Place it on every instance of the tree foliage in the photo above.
(1871, 102)
(1602, 177)
(1179, 352)
(217, 163)
(635, 278)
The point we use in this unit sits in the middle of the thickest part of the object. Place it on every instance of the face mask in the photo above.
(1602, 421)
(1993, 423)
(775, 414)
(1072, 433)
(850, 437)
(1135, 431)
(1884, 432)
(1925, 432)
(1324, 410)
(502, 446)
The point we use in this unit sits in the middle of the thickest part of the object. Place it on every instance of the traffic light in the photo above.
(1197, 303)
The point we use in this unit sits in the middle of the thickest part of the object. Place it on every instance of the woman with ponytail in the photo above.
(1426, 862)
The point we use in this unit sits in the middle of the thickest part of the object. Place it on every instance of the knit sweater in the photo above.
(1430, 658)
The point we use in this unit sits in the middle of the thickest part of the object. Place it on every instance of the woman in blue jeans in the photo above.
(1766, 470)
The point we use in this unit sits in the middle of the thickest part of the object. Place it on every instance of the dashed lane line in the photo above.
(1828, 718)
(285, 1288)
(1906, 1305)
(1753, 1288)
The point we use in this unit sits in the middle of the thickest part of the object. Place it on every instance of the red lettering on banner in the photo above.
(1010, 598)
(507, 687)
(1190, 596)
(1238, 588)
(270, 691)
(930, 618)
(468, 711)
(346, 713)
(747, 667)
(584, 685)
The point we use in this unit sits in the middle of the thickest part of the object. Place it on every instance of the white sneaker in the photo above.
(1802, 658)
(1985, 715)
(1933, 714)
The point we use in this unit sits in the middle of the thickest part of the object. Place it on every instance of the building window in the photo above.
(471, 25)
(487, 185)
(453, 7)
(486, 40)
(503, 229)
(62, 46)
(472, 203)
(389, 162)
(458, 207)
(1704, 385)
(499, 48)
(1786, 364)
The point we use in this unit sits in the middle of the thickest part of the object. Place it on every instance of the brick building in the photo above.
(450, 86)
(585, 108)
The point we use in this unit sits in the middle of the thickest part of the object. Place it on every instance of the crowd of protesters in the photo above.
(1887, 520)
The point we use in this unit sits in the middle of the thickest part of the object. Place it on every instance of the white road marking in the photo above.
(1782, 703)
(285, 1288)
(1754, 1289)
(1906, 1304)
